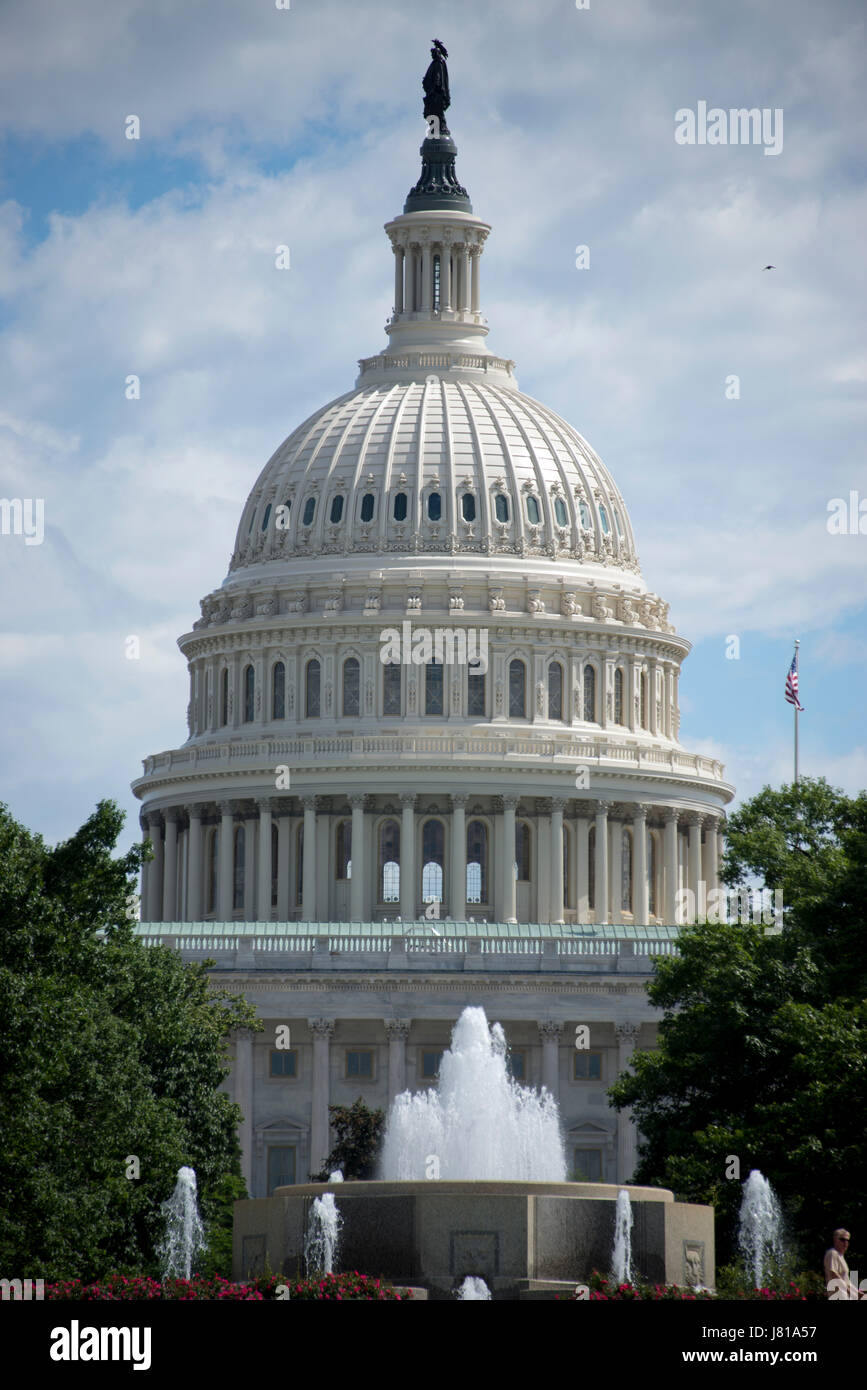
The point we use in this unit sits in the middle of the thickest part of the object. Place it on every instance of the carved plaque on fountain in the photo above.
(475, 1252)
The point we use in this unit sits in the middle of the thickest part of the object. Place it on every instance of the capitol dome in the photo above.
(433, 682)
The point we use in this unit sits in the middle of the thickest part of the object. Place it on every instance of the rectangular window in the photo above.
(284, 1062)
(588, 1165)
(281, 1166)
(430, 1064)
(475, 695)
(586, 1066)
(433, 688)
(391, 682)
(518, 1065)
(359, 1065)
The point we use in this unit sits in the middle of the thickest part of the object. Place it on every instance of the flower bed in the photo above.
(339, 1288)
(605, 1290)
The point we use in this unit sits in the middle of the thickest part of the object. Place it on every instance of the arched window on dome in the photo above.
(555, 691)
(468, 507)
(642, 700)
(617, 523)
(591, 869)
(522, 851)
(278, 691)
(434, 506)
(275, 863)
(477, 862)
(398, 510)
(603, 517)
(626, 870)
(299, 866)
(212, 860)
(266, 517)
(501, 507)
(224, 696)
(309, 512)
(311, 689)
(343, 856)
(281, 516)
(590, 694)
(336, 515)
(534, 511)
(238, 868)
(392, 683)
(433, 861)
(560, 512)
(584, 513)
(249, 694)
(475, 693)
(368, 503)
(618, 696)
(433, 688)
(389, 862)
(351, 688)
(517, 689)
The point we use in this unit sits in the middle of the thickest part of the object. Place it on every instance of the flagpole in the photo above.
(797, 703)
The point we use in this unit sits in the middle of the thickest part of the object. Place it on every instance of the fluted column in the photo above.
(226, 868)
(669, 852)
(407, 857)
(284, 826)
(243, 1095)
(459, 857)
(709, 862)
(263, 895)
(155, 878)
(446, 276)
(615, 870)
(144, 893)
(308, 868)
(668, 729)
(194, 866)
(557, 804)
(322, 1029)
(398, 279)
(464, 277)
(426, 277)
(634, 693)
(600, 867)
(508, 866)
(251, 843)
(652, 668)
(582, 836)
(550, 1034)
(693, 820)
(475, 258)
(640, 908)
(359, 858)
(397, 1032)
(627, 1037)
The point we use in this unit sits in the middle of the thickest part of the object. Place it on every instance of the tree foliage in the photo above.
(359, 1136)
(109, 1050)
(763, 1043)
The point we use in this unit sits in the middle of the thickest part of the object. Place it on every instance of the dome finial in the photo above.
(438, 186)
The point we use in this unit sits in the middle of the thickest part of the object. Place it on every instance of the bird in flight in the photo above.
(769, 267)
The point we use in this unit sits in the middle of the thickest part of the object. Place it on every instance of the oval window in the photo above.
(267, 517)
(533, 513)
(336, 510)
(400, 506)
(468, 507)
(603, 517)
(367, 507)
(434, 506)
(560, 511)
(309, 509)
(501, 507)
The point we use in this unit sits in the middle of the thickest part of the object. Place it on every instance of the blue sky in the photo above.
(262, 126)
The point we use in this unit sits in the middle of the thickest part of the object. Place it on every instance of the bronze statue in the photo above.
(436, 87)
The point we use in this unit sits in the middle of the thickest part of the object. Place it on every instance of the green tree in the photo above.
(763, 1042)
(110, 1051)
(359, 1136)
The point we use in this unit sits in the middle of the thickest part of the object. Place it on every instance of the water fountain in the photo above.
(184, 1235)
(760, 1228)
(474, 1290)
(323, 1234)
(477, 1122)
(621, 1258)
(473, 1189)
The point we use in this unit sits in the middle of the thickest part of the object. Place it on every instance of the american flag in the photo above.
(792, 684)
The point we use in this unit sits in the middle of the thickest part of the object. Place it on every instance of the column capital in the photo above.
(155, 820)
(264, 803)
(601, 808)
(243, 1034)
(670, 813)
(323, 1027)
(173, 814)
(407, 800)
(712, 823)
(507, 803)
(226, 808)
(197, 809)
(627, 1032)
(459, 800)
(308, 801)
(396, 1029)
(357, 800)
(641, 810)
(559, 803)
(550, 1029)
(694, 818)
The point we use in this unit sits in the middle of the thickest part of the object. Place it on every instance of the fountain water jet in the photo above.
(621, 1258)
(760, 1227)
(477, 1122)
(185, 1235)
(323, 1235)
(474, 1290)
